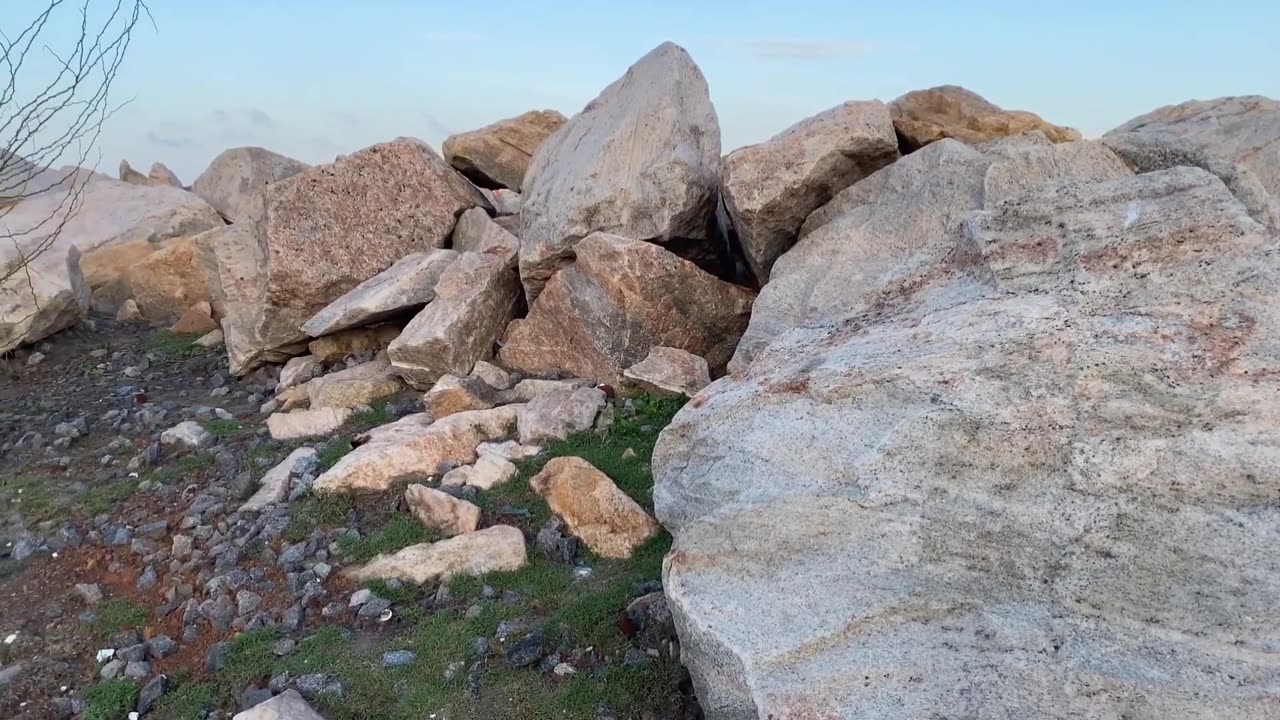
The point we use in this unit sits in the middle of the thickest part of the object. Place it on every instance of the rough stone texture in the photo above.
(297, 371)
(234, 181)
(356, 341)
(642, 160)
(1150, 152)
(594, 509)
(618, 300)
(129, 312)
(275, 483)
(497, 155)
(415, 446)
(772, 187)
(363, 384)
(475, 299)
(495, 549)
(131, 176)
(186, 435)
(328, 229)
(557, 415)
(452, 394)
(1028, 167)
(925, 116)
(212, 340)
(1033, 478)
(1242, 129)
(107, 214)
(493, 376)
(442, 511)
(407, 285)
(160, 174)
(669, 371)
(505, 202)
(237, 287)
(489, 471)
(530, 388)
(288, 705)
(477, 232)
(170, 279)
(197, 320)
(306, 423)
(508, 450)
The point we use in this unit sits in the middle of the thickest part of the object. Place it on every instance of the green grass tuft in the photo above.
(222, 428)
(110, 700)
(401, 531)
(118, 613)
(317, 511)
(376, 416)
(333, 451)
(189, 701)
(173, 346)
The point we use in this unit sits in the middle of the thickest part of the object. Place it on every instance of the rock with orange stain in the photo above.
(593, 507)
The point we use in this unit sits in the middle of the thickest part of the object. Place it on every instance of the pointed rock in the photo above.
(162, 175)
(595, 510)
(288, 705)
(618, 300)
(497, 155)
(275, 483)
(642, 161)
(234, 182)
(442, 511)
(495, 549)
(407, 285)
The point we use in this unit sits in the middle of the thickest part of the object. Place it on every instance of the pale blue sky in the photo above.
(314, 78)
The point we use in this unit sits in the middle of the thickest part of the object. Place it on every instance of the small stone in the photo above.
(247, 602)
(374, 608)
(317, 684)
(111, 670)
(137, 669)
(635, 657)
(528, 651)
(132, 653)
(188, 435)
(398, 658)
(252, 697)
(283, 647)
(216, 657)
(361, 596)
(161, 646)
(152, 692)
(147, 579)
(35, 359)
(90, 593)
(564, 669)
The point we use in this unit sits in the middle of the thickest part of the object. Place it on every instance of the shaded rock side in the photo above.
(497, 155)
(409, 283)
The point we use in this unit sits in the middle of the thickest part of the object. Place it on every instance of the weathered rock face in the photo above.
(160, 174)
(475, 299)
(173, 278)
(363, 384)
(869, 229)
(234, 181)
(497, 155)
(335, 347)
(238, 285)
(409, 283)
(330, 228)
(594, 509)
(476, 232)
(442, 511)
(557, 415)
(669, 371)
(1245, 130)
(1150, 152)
(452, 394)
(772, 187)
(925, 116)
(108, 214)
(642, 161)
(617, 301)
(415, 446)
(495, 549)
(307, 423)
(275, 482)
(1049, 433)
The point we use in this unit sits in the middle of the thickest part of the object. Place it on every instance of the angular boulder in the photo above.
(328, 229)
(171, 279)
(594, 509)
(948, 111)
(416, 446)
(441, 511)
(407, 285)
(357, 386)
(618, 300)
(495, 549)
(275, 482)
(234, 182)
(497, 155)
(288, 705)
(160, 174)
(452, 394)
(669, 372)
(477, 232)
(772, 187)
(475, 299)
(557, 415)
(1245, 130)
(642, 161)
(300, 424)
(1046, 451)
(38, 299)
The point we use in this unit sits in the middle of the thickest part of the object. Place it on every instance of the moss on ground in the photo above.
(110, 700)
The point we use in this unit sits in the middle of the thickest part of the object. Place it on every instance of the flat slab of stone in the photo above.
(948, 111)
(499, 548)
(497, 155)
(275, 483)
(364, 384)
(408, 284)
(604, 517)
(557, 415)
(300, 424)
(441, 511)
(669, 372)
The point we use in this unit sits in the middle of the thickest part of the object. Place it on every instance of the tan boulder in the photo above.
(288, 705)
(493, 376)
(497, 155)
(197, 320)
(237, 287)
(452, 394)
(477, 232)
(211, 340)
(274, 486)
(594, 509)
(618, 300)
(300, 424)
(924, 116)
(669, 371)
(442, 511)
(772, 187)
(495, 549)
(171, 279)
(488, 472)
(129, 312)
(292, 398)
(234, 181)
(415, 446)
(475, 299)
(557, 415)
(406, 286)
(297, 371)
(131, 176)
(344, 343)
(354, 387)
(642, 160)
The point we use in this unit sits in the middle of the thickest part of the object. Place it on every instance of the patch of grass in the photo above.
(375, 416)
(540, 579)
(222, 428)
(316, 511)
(30, 497)
(173, 346)
(333, 451)
(400, 531)
(117, 614)
(248, 660)
(189, 701)
(110, 700)
(102, 496)
(185, 467)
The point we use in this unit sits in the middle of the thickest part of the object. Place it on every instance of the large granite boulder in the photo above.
(234, 181)
(642, 161)
(1245, 130)
(1033, 477)
(328, 229)
(109, 223)
(870, 228)
(497, 155)
(618, 300)
(925, 116)
(772, 187)
(475, 299)
(168, 281)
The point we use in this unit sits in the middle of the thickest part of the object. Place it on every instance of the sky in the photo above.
(316, 78)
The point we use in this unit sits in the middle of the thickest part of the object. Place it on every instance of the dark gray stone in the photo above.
(528, 651)
(152, 692)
